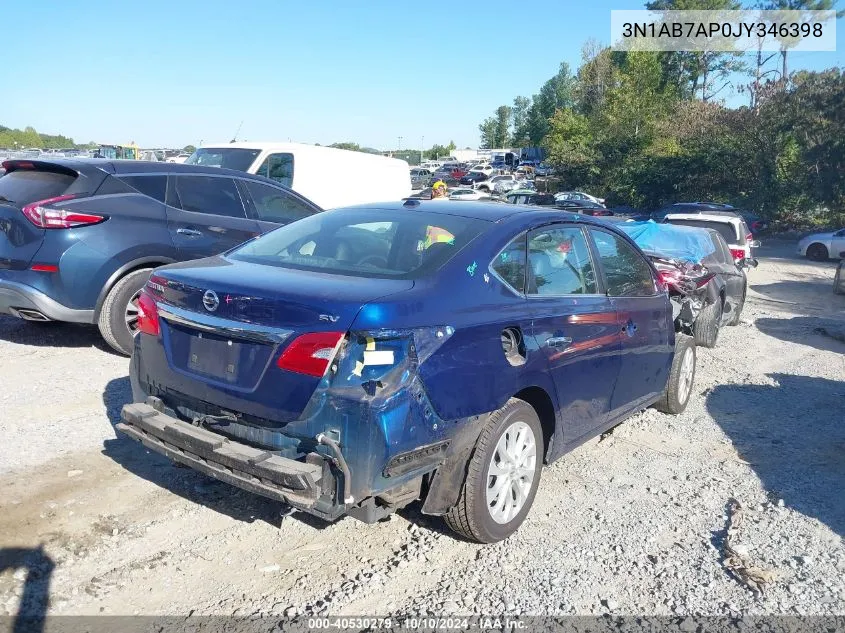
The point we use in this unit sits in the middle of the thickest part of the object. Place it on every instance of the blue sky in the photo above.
(178, 72)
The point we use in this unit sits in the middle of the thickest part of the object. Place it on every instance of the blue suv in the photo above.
(79, 238)
(364, 358)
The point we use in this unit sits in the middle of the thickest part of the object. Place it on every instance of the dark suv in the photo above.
(78, 238)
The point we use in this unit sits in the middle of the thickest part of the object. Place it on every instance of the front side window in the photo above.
(510, 264)
(365, 243)
(628, 273)
(559, 262)
(276, 205)
(207, 194)
(278, 167)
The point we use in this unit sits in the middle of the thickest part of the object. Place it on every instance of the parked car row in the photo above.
(273, 348)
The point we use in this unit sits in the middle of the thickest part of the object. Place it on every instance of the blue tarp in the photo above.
(669, 240)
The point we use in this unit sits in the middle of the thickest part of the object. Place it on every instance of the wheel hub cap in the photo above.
(510, 474)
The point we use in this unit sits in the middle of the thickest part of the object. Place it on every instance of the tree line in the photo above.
(648, 128)
(29, 138)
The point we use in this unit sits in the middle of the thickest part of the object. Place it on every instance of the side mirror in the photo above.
(755, 244)
(750, 261)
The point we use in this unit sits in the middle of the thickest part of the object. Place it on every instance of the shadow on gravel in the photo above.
(189, 484)
(38, 567)
(793, 437)
(823, 334)
(51, 334)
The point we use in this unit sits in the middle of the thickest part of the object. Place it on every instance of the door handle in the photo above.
(558, 341)
(189, 232)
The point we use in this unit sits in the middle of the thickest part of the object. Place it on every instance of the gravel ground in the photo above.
(633, 524)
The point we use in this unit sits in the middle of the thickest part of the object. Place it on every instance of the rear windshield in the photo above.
(398, 244)
(725, 229)
(230, 158)
(27, 185)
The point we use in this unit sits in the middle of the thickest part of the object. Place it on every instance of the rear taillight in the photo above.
(310, 353)
(148, 322)
(738, 253)
(669, 277)
(44, 268)
(46, 218)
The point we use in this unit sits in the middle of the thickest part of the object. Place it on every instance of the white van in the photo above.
(327, 176)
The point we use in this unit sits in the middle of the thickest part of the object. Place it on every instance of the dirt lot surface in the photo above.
(636, 523)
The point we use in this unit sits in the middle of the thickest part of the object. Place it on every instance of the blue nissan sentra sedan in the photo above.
(364, 358)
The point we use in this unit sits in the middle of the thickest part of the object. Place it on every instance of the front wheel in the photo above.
(503, 475)
(817, 252)
(681, 377)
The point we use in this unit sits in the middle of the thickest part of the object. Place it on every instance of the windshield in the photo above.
(398, 244)
(231, 158)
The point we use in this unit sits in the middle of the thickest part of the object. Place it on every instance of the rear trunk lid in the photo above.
(26, 182)
(225, 324)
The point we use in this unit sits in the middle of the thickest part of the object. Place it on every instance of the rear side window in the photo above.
(365, 243)
(725, 229)
(28, 185)
(510, 264)
(628, 274)
(276, 205)
(278, 167)
(207, 194)
(559, 262)
(153, 186)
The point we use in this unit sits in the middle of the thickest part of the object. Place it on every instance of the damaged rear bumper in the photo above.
(261, 472)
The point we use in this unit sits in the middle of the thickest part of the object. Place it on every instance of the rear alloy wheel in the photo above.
(503, 475)
(706, 326)
(119, 315)
(681, 377)
(817, 252)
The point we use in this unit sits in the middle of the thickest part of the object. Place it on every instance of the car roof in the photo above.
(134, 166)
(704, 217)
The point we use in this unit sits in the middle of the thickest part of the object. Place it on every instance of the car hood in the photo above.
(818, 236)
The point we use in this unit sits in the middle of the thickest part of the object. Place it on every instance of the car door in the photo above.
(274, 206)
(206, 215)
(837, 244)
(575, 326)
(644, 321)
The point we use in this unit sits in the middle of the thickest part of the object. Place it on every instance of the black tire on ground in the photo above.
(471, 516)
(817, 252)
(112, 322)
(736, 311)
(707, 325)
(679, 386)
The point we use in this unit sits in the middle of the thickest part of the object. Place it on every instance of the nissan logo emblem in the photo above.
(210, 300)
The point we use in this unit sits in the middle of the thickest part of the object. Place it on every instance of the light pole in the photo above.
(422, 149)
(400, 145)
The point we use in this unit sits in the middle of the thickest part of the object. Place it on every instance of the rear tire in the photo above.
(116, 316)
(706, 326)
(681, 377)
(736, 312)
(817, 252)
(481, 514)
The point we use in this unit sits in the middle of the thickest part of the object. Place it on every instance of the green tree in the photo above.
(488, 133)
(502, 134)
(189, 149)
(519, 121)
(347, 145)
